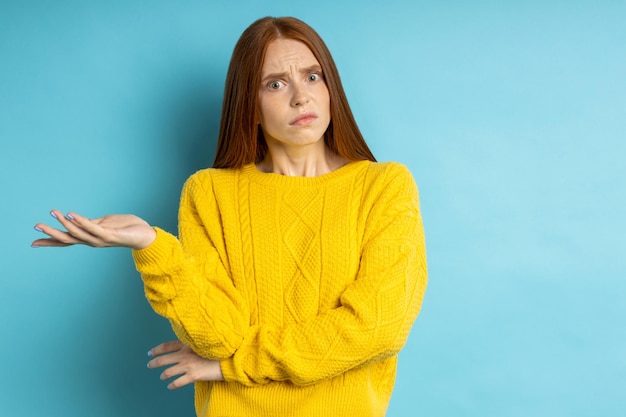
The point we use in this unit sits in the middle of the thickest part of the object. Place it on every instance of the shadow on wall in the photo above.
(189, 144)
(122, 320)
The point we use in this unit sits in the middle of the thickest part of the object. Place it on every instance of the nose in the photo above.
(299, 95)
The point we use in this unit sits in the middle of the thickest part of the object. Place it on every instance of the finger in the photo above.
(167, 347)
(91, 228)
(176, 357)
(83, 221)
(66, 222)
(165, 360)
(172, 371)
(180, 382)
(168, 358)
(49, 243)
(57, 237)
(77, 230)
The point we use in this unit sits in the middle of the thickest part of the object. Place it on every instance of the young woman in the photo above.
(300, 263)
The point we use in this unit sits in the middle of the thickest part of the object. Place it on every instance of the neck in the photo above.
(304, 161)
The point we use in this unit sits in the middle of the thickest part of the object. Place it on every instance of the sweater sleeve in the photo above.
(186, 280)
(375, 313)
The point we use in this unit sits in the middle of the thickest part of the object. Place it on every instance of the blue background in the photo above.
(511, 115)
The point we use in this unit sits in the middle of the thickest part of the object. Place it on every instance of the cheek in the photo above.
(266, 103)
(266, 114)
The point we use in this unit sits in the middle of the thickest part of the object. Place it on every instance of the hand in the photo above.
(187, 365)
(113, 230)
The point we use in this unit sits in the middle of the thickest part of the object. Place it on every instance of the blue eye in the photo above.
(275, 85)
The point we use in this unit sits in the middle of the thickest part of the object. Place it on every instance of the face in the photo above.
(294, 104)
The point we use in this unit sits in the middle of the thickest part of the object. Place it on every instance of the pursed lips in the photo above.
(304, 119)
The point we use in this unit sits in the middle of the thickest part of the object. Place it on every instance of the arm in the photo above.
(375, 313)
(186, 281)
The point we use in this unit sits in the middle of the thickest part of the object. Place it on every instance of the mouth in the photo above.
(304, 119)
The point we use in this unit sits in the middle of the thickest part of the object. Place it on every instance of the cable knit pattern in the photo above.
(304, 288)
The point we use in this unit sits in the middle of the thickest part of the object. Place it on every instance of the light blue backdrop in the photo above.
(511, 115)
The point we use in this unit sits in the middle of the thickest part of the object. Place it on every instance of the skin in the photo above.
(181, 360)
(294, 113)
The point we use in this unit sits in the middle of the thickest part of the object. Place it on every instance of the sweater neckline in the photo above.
(271, 178)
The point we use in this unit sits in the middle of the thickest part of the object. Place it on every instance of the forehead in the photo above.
(282, 54)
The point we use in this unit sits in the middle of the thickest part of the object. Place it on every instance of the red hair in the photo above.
(240, 140)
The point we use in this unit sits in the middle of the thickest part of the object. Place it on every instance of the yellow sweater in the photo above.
(304, 288)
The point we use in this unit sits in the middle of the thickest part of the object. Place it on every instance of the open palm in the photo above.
(125, 230)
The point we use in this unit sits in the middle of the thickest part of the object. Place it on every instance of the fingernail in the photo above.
(35, 246)
(148, 365)
(69, 217)
(150, 353)
(37, 228)
(53, 215)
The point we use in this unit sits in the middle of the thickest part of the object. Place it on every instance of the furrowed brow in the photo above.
(274, 75)
(312, 68)
(279, 75)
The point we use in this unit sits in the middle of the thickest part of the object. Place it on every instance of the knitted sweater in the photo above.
(305, 288)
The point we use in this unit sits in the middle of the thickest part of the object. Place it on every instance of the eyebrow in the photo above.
(312, 68)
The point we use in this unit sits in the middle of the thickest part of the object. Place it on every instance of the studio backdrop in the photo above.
(510, 115)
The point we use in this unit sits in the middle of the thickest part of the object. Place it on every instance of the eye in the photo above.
(275, 85)
(314, 77)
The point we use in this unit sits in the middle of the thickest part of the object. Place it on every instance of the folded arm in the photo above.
(375, 314)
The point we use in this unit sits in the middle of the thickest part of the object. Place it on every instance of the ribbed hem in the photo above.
(350, 394)
(228, 370)
(156, 252)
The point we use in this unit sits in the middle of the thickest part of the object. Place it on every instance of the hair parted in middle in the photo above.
(241, 140)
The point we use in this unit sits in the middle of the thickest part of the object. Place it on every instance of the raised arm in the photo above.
(375, 314)
(185, 281)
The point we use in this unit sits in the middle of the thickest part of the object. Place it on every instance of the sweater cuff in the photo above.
(156, 252)
(228, 370)
(157, 264)
(233, 370)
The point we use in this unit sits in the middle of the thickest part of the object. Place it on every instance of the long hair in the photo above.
(241, 139)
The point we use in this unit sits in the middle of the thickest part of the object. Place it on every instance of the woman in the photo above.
(300, 264)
